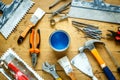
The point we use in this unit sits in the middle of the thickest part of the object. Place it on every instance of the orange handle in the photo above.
(97, 56)
(35, 41)
(32, 32)
(72, 76)
(24, 33)
(38, 39)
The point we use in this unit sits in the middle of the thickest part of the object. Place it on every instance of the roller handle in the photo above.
(108, 73)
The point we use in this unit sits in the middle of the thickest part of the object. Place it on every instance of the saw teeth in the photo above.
(6, 30)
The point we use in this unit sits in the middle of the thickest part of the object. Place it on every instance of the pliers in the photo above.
(51, 70)
(115, 35)
(35, 39)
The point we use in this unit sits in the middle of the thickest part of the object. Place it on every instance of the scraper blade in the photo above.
(81, 62)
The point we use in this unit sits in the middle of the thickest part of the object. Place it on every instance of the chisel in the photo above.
(34, 20)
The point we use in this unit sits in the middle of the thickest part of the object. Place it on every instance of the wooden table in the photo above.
(77, 40)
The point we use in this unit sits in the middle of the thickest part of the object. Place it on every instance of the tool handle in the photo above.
(58, 78)
(24, 33)
(72, 76)
(34, 41)
(18, 74)
(106, 70)
(97, 56)
(32, 32)
(108, 73)
(38, 39)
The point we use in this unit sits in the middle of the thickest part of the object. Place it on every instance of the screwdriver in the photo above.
(35, 39)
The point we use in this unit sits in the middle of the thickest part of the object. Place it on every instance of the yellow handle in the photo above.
(58, 79)
(72, 76)
(97, 56)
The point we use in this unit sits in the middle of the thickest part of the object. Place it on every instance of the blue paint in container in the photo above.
(59, 40)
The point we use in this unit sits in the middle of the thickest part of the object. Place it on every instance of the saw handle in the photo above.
(106, 70)
(24, 33)
(72, 76)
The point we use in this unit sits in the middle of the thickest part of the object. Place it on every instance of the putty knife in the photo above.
(81, 62)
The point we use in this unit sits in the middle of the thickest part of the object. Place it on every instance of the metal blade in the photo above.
(98, 15)
(81, 62)
(16, 18)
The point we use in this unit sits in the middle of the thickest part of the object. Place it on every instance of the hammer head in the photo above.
(90, 44)
(81, 49)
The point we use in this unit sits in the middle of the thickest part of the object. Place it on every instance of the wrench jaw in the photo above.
(50, 69)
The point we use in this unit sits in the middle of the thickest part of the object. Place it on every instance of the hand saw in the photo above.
(95, 10)
(16, 67)
(12, 14)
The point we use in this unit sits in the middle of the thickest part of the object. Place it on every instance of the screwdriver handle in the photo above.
(24, 33)
(18, 74)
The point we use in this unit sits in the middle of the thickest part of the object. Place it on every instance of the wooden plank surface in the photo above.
(77, 40)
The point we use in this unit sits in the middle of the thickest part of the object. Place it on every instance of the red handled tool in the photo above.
(18, 74)
(34, 45)
(115, 35)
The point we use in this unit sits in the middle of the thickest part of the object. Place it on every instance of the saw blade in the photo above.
(98, 15)
(16, 18)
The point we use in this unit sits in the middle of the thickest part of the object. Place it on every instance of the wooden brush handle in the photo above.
(72, 76)
(24, 33)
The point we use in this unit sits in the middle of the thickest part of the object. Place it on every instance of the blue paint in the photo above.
(59, 40)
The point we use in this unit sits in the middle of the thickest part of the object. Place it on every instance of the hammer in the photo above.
(90, 45)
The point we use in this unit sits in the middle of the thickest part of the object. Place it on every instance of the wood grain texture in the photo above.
(77, 40)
